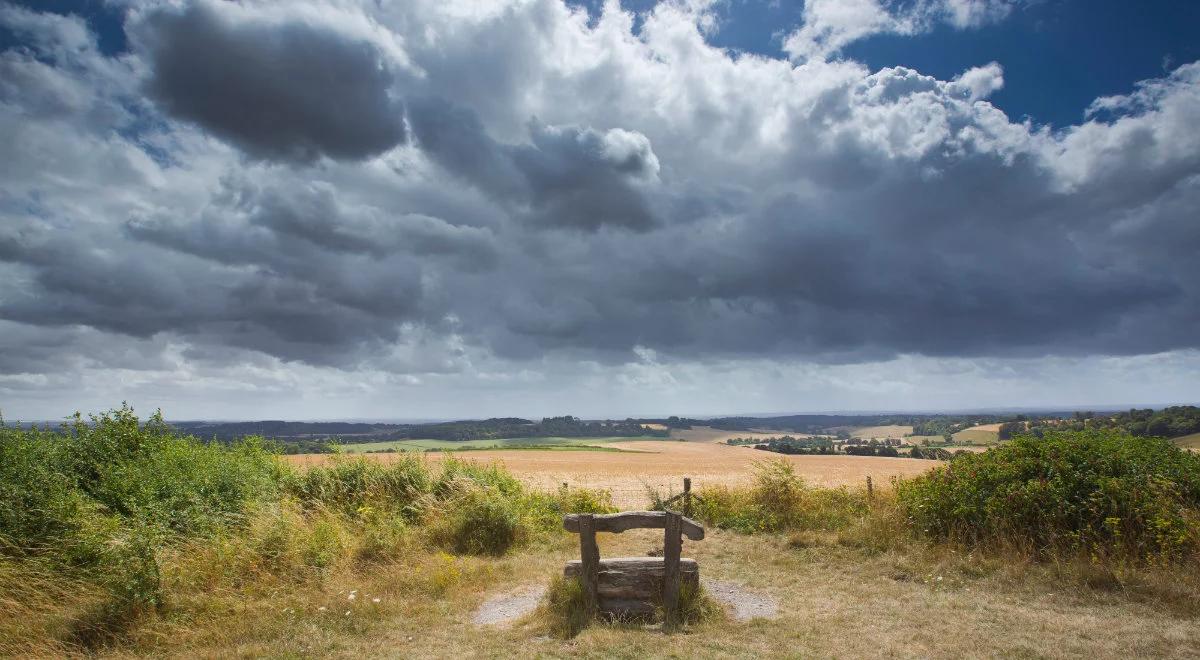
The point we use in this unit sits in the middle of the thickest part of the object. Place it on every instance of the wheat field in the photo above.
(663, 465)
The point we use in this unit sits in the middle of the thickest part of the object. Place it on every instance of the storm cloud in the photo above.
(281, 89)
(417, 189)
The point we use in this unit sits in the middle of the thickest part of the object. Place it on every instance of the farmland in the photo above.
(1189, 441)
(662, 464)
(499, 444)
(708, 434)
(879, 432)
(981, 435)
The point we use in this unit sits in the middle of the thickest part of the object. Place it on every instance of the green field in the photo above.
(972, 437)
(977, 437)
(497, 443)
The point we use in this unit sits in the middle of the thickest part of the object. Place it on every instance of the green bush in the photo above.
(1100, 492)
(545, 511)
(477, 521)
(779, 500)
(41, 509)
(63, 493)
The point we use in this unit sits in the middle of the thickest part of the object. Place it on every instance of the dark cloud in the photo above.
(567, 177)
(285, 90)
(613, 191)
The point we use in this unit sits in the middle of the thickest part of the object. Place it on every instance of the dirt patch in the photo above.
(741, 602)
(503, 609)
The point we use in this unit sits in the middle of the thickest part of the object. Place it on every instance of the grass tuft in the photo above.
(565, 607)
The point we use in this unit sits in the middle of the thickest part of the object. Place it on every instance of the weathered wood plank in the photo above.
(652, 565)
(627, 520)
(627, 608)
(631, 587)
(625, 571)
(589, 554)
(672, 546)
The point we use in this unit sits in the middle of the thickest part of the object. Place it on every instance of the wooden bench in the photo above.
(627, 586)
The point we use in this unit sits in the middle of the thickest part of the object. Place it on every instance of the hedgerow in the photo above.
(1101, 492)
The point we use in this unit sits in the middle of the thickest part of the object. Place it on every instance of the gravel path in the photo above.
(503, 609)
(745, 604)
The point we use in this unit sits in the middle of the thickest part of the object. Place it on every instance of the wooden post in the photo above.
(687, 496)
(589, 553)
(672, 548)
(870, 489)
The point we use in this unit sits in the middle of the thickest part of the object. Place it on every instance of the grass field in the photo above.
(662, 465)
(984, 434)
(880, 432)
(708, 434)
(500, 443)
(834, 601)
(359, 561)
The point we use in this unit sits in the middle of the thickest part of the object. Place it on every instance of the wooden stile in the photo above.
(626, 586)
(627, 520)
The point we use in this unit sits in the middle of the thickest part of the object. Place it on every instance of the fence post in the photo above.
(589, 554)
(870, 489)
(687, 496)
(672, 548)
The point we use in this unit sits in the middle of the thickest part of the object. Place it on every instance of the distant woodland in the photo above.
(316, 437)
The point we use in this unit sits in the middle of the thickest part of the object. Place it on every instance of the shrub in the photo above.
(1101, 492)
(779, 500)
(42, 512)
(545, 511)
(63, 493)
(476, 521)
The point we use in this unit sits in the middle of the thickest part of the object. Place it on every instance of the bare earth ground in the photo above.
(663, 464)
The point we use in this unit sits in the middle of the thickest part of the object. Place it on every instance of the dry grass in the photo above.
(1188, 441)
(880, 432)
(663, 464)
(709, 434)
(836, 600)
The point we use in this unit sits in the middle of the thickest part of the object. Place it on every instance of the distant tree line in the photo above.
(1170, 422)
(314, 437)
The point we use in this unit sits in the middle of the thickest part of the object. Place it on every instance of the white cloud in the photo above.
(580, 212)
(980, 82)
(831, 25)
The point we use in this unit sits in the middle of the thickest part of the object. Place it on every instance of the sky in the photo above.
(334, 209)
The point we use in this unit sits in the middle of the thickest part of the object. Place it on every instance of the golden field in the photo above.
(662, 465)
